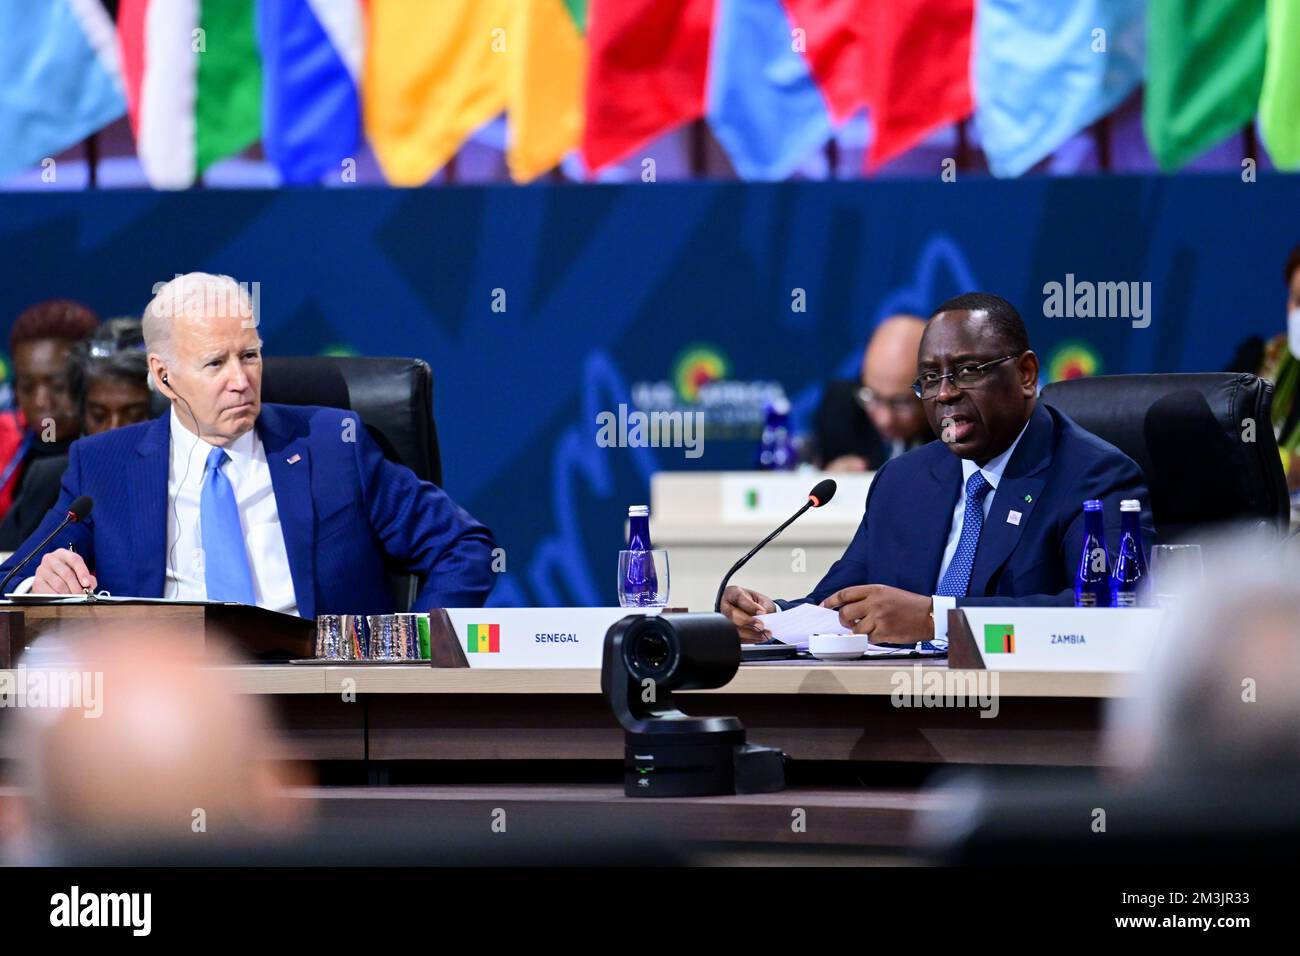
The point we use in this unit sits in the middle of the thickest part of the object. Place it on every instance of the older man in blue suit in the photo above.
(224, 498)
(992, 513)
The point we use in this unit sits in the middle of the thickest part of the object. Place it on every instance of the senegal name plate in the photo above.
(536, 637)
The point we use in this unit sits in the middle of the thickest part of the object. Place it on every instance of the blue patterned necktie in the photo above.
(957, 578)
(225, 560)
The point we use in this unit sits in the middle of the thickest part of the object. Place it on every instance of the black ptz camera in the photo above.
(666, 752)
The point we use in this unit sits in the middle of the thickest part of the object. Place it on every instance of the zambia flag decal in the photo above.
(999, 638)
(483, 639)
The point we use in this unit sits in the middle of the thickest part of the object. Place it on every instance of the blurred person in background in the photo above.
(46, 420)
(1276, 360)
(861, 425)
(176, 758)
(1219, 693)
(108, 378)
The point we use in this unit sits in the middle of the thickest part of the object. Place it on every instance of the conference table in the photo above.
(390, 713)
(862, 738)
(543, 744)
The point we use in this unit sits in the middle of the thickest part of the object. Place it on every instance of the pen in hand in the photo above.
(73, 549)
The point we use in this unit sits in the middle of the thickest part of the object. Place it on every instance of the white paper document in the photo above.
(795, 625)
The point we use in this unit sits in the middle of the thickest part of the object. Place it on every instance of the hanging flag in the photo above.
(547, 77)
(435, 72)
(60, 79)
(832, 35)
(312, 54)
(919, 64)
(649, 63)
(765, 108)
(193, 83)
(1205, 70)
(1279, 102)
(1045, 71)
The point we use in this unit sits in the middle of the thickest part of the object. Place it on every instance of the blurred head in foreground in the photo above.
(1220, 691)
(169, 754)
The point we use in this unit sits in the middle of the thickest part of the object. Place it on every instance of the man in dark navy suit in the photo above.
(226, 499)
(990, 514)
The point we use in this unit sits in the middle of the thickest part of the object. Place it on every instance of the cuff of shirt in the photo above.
(25, 586)
(942, 605)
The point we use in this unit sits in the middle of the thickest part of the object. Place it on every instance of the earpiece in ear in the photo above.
(165, 382)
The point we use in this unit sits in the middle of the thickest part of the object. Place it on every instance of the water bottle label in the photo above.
(1086, 599)
(1126, 599)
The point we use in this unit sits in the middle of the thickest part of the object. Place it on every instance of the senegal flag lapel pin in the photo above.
(1029, 499)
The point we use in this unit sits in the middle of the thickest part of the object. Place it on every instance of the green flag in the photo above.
(1279, 104)
(1205, 67)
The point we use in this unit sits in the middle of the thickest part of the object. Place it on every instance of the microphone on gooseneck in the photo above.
(822, 492)
(77, 511)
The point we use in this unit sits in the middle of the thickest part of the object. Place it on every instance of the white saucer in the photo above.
(837, 647)
(838, 655)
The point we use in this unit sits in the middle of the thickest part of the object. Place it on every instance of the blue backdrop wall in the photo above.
(538, 308)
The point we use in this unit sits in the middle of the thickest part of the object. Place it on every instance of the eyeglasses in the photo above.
(898, 404)
(968, 375)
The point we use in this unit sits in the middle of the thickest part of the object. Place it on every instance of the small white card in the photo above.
(794, 626)
(1013, 517)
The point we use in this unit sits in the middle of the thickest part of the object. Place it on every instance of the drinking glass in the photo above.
(643, 578)
(1176, 572)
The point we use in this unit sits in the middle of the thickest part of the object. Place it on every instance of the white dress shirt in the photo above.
(250, 479)
(993, 475)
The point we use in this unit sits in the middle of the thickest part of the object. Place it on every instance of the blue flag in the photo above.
(1045, 71)
(60, 79)
(764, 105)
(311, 107)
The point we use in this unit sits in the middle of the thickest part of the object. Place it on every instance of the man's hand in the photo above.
(63, 572)
(740, 605)
(888, 615)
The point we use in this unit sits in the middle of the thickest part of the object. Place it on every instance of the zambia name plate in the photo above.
(1116, 640)
(536, 637)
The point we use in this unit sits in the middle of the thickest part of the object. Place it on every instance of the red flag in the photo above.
(649, 63)
(920, 71)
(835, 42)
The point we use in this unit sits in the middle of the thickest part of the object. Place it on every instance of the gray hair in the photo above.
(192, 295)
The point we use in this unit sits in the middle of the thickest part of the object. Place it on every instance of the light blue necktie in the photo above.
(225, 560)
(956, 579)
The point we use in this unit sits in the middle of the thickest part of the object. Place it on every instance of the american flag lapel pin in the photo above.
(294, 460)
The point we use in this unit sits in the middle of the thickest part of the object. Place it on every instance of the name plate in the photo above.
(766, 497)
(1052, 638)
(536, 637)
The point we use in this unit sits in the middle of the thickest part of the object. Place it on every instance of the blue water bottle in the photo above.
(776, 451)
(1092, 580)
(641, 580)
(1130, 571)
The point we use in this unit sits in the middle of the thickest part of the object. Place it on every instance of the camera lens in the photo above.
(652, 652)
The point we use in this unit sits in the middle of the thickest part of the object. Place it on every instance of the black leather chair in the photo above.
(1191, 435)
(394, 398)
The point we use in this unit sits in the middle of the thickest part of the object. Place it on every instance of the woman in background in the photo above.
(107, 376)
(46, 420)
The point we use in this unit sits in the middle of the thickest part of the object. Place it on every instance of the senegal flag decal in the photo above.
(483, 639)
